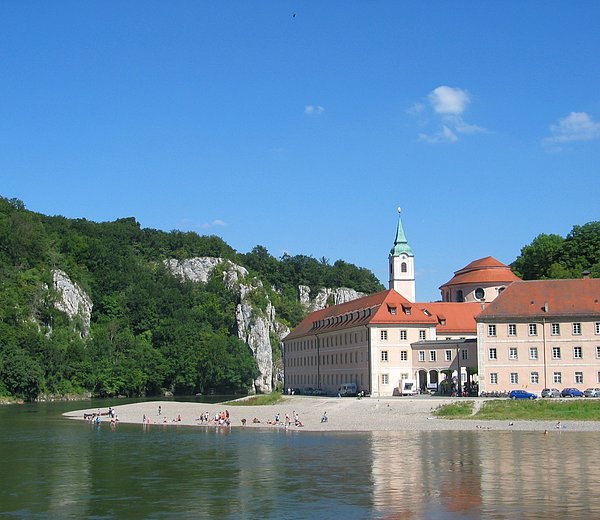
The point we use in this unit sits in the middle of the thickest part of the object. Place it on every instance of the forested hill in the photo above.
(150, 331)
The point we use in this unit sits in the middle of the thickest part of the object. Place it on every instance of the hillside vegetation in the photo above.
(150, 331)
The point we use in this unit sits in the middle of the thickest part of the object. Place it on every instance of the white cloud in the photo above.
(214, 223)
(444, 135)
(447, 105)
(577, 126)
(449, 100)
(313, 110)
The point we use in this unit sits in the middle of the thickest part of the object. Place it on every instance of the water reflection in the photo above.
(54, 468)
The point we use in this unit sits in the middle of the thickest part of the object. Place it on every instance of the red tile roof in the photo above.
(453, 318)
(485, 270)
(377, 308)
(545, 298)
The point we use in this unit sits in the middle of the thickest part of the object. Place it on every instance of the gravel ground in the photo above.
(345, 414)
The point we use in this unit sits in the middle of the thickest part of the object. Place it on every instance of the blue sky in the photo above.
(302, 125)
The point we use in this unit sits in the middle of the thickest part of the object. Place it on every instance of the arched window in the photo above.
(403, 267)
(459, 296)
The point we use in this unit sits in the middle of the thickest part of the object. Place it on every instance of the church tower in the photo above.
(402, 265)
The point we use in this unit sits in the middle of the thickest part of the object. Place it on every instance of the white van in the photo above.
(348, 390)
(409, 387)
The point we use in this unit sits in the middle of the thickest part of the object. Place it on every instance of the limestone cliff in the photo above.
(326, 296)
(254, 326)
(72, 300)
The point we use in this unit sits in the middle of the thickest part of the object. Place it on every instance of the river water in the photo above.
(52, 467)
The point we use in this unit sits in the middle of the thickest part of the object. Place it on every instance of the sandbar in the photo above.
(346, 414)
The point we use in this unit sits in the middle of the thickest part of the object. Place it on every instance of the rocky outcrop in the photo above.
(326, 297)
(72, 300)
(253, 325)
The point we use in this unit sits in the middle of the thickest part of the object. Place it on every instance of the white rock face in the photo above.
(73, 300)
(335, 296)
(253, 325)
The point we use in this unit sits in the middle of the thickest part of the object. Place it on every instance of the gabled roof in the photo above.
(453, 318)
(385, 307)
(545, 298)
(484, 270)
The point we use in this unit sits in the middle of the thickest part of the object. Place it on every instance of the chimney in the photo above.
(545, 306)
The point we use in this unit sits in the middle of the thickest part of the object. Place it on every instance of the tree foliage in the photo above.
(150, 331)
(552, 256)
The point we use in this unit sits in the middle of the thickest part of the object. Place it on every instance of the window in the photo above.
(533, 329)
(493, 354)
(465, 353)
(512, 329)
(598, 377)
(383, 335)
(578, 378)
(555, 352)
(597, 327)
(598, 352)
(555, 329)
(479, 293)
(421, 355)
(493, 378)
(432, 355)
(557, 377)
(577, 352)
(421, 334)
(459, 296)
(576, 328)
(385, 379)
(402, 335)
(448, 355)
(491, 330)
(393, 311)
(514, 378)
(533, 353)
(535, 378)
(403, 355)
(384, 355)
(512, 353)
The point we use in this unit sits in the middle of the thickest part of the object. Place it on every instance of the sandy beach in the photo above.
(345, 414)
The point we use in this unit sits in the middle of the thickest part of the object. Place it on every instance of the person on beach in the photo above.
(324, 418)
(159, 409)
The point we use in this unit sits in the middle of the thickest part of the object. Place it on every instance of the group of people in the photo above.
(96, 418)
(220, 418)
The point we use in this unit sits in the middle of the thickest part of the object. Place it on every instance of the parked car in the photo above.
(592, 392)
(550, 392)
(571, 392)
(521, 394)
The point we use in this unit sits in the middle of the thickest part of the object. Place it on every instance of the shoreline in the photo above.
(344, 415)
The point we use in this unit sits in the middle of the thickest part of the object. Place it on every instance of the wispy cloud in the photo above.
(313, 110)
(447, 105)
(189, 224)
(577, 126)
(214, 223)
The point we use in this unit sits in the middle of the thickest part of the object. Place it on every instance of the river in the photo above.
(53, 467)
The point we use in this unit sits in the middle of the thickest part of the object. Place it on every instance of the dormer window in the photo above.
(393, 311)
(407, 310)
